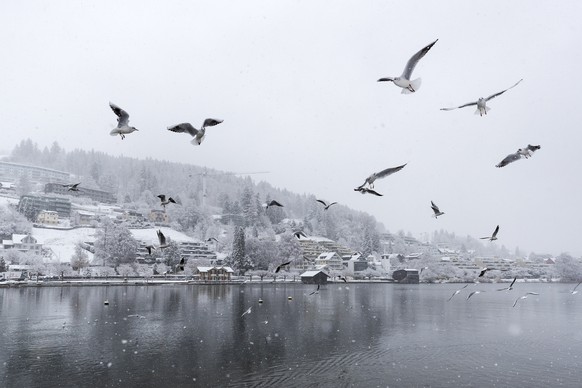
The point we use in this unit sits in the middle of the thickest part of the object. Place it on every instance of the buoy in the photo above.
(260, 300)
(289, 298)
(106, 302)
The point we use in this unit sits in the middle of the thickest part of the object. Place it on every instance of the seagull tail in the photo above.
(414, 85)
(196, 142)
(114, 132)
(478, 111)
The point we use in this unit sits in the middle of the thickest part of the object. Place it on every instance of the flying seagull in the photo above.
(510, 286)
(210, 239)
(72, 187)
(343, 278)
(404, 81)
(493, 236)
(247, 312)
(299, 234)
(481, 103)
(525, 152)
(326, 206)
(123, 127)
(382, 174)
(457, 292)
(198, 135)
(150, 248)
(473, 293)
(574, 292)
(436, 210)
(524, 297)
(280, 266)
(162, 240)
(365, 190)
(180, 265)
(483, 271)
(274, 203)
(316, 291)
(165, 201)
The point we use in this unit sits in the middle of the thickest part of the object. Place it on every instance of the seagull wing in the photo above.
(503, 91)
(509, 159)
(533, 148)
(122, 116)
(211, 122)
(434, 207)
(411, 64)
(161, 238)
(162, 197)
(322, 202)
(370, 191)
(275, 203)
(461, 106)
(495, 231)
(184, 128)
(75, 185)
(333, 203)
(389, 171)
(513, 282)
(576, 287)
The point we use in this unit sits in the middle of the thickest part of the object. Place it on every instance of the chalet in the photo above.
(314, 277)
(158, 217)
(330, 260)
(48, 217)
(357, 264)
(408, 276)
(23, 243)
(214, 273)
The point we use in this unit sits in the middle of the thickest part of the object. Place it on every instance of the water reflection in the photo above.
(348, 334)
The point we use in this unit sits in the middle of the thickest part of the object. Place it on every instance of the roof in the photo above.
(308, 274)
(206, 269)
(326, 255)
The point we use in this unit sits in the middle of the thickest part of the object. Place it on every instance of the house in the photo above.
(14, 275)
(357, 264)
(23, 243)
(314, 277)
(82, 217)
(48, 217)
(214, 273)
(132, 216)
(330, 260)
(158, 217)
(408, 276)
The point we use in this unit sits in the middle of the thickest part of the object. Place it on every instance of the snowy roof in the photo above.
(317, 239)
(325, 255)
(150, 235)
(312, 273)
(206, 269)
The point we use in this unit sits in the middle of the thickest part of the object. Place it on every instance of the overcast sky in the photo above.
(295, 83)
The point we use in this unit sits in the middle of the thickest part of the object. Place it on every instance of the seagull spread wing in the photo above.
(161, 238)
(495, 232)
(162, 197)
(411, 64)
(184, 128)
(122, 116)
(503, 91)
(462, 106)
(389, 171)
(211, 122)
(434, 207)
(322, 202)
(509, 159)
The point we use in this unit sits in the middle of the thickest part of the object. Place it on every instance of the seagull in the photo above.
(247, 312)
(72, 187)
(299, 234)
(325, 204)
(458, 291)
(210, 239)
(123, 127)
(481, 103)
(150, 248)
(473, 293)
(524, 297)
(404, 81)
(162, 239)
(510, 286)
(316, 291)
(165, 201)
(483, 271)
(274, 203)
(574, 292)
(493, 236)
(198, 135)
(382, 174)
(365, 190)
(343, 278)
(281, 266)
(436, 210)
(527, 151)
(509, 159)
(180, 266)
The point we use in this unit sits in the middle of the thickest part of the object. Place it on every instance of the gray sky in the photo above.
(295, 82)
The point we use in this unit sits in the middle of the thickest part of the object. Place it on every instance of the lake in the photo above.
(361, 335)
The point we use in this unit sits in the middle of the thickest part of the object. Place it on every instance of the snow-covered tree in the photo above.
(115, 244)
(80, 258)
(238, 249)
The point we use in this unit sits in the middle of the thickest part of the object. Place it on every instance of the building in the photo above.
(314, 277)
(158, 217)
(81, 217)
(94, 194)
(408, 276)
(48, 217)
(357, 264)
(329, 260)
(13, 172)
(32, 205)
(23, 243)
(214, 273)
(314, 246)
(132, 216)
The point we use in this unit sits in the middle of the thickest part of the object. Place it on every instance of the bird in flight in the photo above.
(436, 210)
(197, 134)
(525, 152)
(280, 266)
(404, 81)
(378, 175)
(299, 234)
(210, 239)
(326, 206)
(316, 291)
(123, 127)
(510, 286)
(150, 248)
(162, 240)
(365, 190)
(483, 271)
(493, 236)
(72, 187)
(574, 292)
(474, 293)
(481, 103)
(343, 278)
(180, 265)
(524, 297)
(457, 292)
(248, 311)
(165, 201)
(274, 203)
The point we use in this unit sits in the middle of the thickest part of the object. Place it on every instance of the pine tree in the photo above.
(238, 249)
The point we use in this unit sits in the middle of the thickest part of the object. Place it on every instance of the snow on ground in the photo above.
(149, 235)
(63, 242)
(5, 201)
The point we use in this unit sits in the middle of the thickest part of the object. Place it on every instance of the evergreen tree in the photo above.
(238, 249)
(2, 264)
(115, 244)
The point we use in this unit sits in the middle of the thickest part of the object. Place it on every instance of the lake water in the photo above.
(362, 335)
